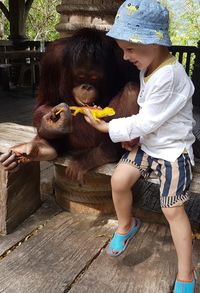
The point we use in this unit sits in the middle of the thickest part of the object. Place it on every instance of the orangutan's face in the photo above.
(86, 86)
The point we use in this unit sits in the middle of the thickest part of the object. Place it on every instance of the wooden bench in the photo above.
(19, 191)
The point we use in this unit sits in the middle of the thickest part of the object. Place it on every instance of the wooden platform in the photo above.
(57, 252)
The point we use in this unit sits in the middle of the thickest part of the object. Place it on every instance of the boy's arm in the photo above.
(165, 101)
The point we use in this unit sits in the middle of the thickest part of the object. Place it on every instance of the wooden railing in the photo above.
(186, 55)
(189, 56)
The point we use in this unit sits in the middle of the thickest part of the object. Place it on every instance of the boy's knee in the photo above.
(119, 182)
(173, 213)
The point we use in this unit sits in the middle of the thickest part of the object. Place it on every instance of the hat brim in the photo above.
(139, 35)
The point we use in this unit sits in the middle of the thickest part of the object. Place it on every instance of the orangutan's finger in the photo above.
(9, 161)
(12, 166)
(5, 156)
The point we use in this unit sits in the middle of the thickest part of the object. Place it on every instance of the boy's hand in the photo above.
(129, 145)
(100, 125)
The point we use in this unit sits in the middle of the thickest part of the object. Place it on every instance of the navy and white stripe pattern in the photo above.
(175, 177)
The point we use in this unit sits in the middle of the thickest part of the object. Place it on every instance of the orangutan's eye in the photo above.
(94, 77)
(131, 50)
(81, 76)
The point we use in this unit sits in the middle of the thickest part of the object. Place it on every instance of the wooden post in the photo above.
(17, 19)
(17, 15)
(195, 78)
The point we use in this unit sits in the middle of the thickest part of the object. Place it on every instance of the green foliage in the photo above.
(5, 25)
(184, 27)
(42, 20)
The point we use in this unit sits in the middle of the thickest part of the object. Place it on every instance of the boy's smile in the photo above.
(144, 56)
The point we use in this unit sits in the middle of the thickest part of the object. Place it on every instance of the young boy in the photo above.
(164, 124)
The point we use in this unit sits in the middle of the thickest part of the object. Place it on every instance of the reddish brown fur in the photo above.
(56, 86)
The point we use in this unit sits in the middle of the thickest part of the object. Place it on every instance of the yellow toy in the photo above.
(96, 112)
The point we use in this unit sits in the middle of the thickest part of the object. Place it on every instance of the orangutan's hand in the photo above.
(75, 172)
(18, 155)
(8, 160)
(56, 123)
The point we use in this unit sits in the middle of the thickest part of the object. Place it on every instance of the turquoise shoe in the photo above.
(185, 286)
(119, 242)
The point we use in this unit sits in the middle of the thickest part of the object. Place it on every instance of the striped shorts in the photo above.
(174, 177)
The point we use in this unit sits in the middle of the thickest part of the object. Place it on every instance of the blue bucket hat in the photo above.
(142, 21)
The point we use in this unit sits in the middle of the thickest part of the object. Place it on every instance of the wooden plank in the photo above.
(19, 195)
(188, 61)
(149, 266)
(3, 200)
(12, 134)
(42, 215)
(51, 260)
(23, 194)
(196, 261)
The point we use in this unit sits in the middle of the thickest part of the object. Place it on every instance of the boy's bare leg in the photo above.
(182, 238)
(124, 177)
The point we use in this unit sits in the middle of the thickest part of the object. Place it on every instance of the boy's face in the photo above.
(142, 56)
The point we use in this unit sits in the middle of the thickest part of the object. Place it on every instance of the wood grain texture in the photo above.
(23, 194)
(19, 195)
(149, 265)
(52, 259)
(41, 216)
(3, 200)
(13, 134)
(20, 190)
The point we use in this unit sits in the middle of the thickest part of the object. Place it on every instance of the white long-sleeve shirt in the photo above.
(164, 122)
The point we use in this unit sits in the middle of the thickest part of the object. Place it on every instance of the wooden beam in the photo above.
(4, 10)
(17, 20)
(28, 5)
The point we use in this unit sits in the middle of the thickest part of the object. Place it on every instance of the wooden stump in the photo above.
(94, 197)
(20, 190)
